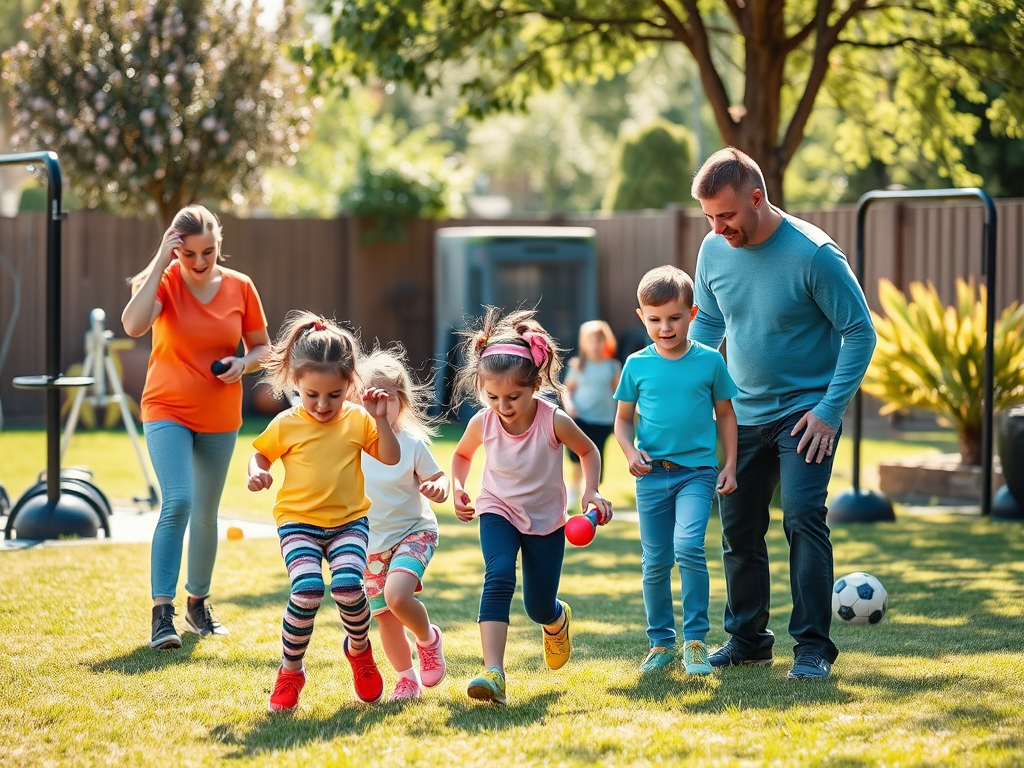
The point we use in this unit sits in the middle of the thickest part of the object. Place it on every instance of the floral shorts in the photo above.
(411, 554)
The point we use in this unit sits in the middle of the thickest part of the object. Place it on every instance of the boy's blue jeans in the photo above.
(766, 457)
(674, 506)
(191, 468)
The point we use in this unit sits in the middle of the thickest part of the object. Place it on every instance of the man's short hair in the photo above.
(727, 168)
(664, 284)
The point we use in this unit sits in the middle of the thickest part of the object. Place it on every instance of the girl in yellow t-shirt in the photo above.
(321, 507)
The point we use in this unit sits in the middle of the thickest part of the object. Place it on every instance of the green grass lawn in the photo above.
(939, 682)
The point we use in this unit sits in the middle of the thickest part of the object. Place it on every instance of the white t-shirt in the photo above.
(397, 508)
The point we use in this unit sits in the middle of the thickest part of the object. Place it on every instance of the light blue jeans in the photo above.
(674, 506)
(191, 468)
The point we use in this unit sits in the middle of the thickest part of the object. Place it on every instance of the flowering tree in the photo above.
(155, 104)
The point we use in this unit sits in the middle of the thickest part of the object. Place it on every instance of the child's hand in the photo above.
(260, 480)
(601, 504)
(375, 401)
(639, 463)
(435, 490)
(727, 481)
(464, 509)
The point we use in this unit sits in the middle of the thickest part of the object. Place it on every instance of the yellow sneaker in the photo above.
(490, 686)
(558, 647)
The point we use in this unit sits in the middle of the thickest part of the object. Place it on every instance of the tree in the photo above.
(655, 167)
(763, 63)
(154, 104)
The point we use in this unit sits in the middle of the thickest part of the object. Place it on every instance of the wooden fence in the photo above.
(386, 288)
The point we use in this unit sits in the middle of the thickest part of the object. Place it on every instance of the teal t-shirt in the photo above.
(675, 402)
(798, 331)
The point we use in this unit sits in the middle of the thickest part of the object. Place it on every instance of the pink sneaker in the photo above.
(432, 664)
(405, 688)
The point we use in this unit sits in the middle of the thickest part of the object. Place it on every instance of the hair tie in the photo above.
(318, 325)
(539, 348)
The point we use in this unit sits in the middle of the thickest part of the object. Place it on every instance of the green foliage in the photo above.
(898, 68)
(655, 165)
(401, 175)
(154, 103)
(932, 357)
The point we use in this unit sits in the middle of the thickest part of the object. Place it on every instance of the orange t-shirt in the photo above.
(187, 337)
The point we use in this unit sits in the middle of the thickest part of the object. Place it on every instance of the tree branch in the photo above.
(696, 40)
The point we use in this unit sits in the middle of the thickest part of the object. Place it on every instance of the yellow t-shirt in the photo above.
(323, 476)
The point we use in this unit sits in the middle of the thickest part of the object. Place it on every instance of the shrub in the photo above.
(933, 357)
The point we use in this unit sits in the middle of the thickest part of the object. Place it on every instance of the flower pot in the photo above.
(1010, 443)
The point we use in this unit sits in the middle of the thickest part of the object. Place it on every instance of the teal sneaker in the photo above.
(658, 657)
(695, 658)
(490, 686)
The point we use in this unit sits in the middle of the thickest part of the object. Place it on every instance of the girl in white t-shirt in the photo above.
(403, 528)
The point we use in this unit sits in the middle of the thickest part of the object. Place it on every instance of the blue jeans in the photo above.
(767, 457)
(674, 506)
(191, 468)
(542, 570)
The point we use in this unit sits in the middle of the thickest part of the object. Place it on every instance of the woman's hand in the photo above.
(233, 372)
(169, 247)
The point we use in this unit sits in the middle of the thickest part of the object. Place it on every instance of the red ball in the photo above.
(580, 530)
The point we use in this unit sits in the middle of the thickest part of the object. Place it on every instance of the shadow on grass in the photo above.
(144, 659)
(284, 731)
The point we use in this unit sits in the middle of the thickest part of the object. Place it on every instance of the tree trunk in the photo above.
(970, 446)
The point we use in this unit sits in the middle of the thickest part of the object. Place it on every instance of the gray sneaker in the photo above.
(810, 666)
(731, 656)
(165, 637)
(200, 619)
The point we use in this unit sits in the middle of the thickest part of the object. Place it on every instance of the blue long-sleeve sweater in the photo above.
(798, 331)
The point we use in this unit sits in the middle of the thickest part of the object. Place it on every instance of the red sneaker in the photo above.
(289, 684)
(366, 677)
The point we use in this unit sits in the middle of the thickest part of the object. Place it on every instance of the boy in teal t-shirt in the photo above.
(669, 397)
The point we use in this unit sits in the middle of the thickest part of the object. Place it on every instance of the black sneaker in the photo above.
(731, 656)
(810, 666)
(199, 618)
(164, 635)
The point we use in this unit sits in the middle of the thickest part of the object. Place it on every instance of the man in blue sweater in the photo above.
(799, 338)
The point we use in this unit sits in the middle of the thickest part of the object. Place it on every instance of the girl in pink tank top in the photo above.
(521, 504)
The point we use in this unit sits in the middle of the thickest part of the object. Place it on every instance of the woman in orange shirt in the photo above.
(199, 311)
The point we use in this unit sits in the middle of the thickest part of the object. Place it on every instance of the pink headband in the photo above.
(537, 352)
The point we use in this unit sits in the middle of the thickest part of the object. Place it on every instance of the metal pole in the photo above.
(988, 269)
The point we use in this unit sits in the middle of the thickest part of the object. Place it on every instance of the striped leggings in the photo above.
(304, 547)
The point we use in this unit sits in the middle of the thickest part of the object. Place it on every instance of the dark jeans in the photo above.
(767, 456)
(542, 570)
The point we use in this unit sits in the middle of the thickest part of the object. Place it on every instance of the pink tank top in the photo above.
(522, 479)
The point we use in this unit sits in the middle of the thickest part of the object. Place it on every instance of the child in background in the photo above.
(321, 507)
(521, 505)
(590, 381)
(679, 388)
(403, 528)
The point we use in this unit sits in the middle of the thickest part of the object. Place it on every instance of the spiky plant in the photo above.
(932, 357)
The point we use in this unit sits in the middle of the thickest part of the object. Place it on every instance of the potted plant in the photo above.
(931, 357)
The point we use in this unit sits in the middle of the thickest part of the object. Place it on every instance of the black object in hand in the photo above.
(218, 367)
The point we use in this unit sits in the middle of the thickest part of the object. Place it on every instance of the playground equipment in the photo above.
(859, 505)
(99, 365)
(71, 504)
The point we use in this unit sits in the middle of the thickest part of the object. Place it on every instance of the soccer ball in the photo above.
(859, 598)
